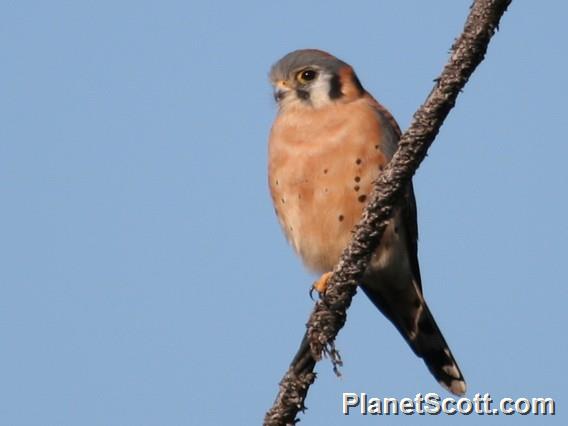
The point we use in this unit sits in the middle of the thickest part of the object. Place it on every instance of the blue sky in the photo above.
(144, 279)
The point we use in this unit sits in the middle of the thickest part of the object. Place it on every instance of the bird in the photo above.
(329, 142)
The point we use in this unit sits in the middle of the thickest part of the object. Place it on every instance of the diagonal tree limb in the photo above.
(329, 315)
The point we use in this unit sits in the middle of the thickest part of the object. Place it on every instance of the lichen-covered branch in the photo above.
(329, 314)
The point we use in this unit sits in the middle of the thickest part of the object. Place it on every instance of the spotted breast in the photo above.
(319, 195)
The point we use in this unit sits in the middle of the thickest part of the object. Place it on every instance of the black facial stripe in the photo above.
(335, 87)
(303, 94)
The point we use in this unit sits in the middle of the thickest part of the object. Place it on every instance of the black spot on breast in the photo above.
(340, 217)
(376, 146)
(283, 200)
(276, 182)
(362, 198)
(381, 167)
(335, 87)
(325, 171)
(358, 161)
(356, 188)
(357, 179)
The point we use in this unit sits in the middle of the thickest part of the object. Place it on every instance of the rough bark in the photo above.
(329, 315)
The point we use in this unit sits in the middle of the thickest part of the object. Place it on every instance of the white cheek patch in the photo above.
(319, 91)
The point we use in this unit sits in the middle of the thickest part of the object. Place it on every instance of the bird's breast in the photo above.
(322, 163)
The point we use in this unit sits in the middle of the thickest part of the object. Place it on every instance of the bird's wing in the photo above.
(391, 135)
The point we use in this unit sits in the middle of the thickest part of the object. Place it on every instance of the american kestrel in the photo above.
(328, 143)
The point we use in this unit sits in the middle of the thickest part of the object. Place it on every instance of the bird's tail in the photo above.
(430, 345)
(417, 325)
(303, 360)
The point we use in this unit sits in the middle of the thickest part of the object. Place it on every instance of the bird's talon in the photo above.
(321, 284)
(312, 293)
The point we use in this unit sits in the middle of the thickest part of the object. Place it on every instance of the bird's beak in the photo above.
(280, 90)
(279, 94)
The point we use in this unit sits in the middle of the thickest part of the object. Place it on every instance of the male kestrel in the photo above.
(328, 143)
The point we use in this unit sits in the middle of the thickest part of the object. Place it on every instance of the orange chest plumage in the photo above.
(322, 163)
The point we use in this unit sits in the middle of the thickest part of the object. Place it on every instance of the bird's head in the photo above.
(313, 78)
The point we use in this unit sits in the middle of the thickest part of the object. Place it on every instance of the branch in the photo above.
(329, 314)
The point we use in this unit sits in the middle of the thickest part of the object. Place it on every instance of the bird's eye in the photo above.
(306, 76)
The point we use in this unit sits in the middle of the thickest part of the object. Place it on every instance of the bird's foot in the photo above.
(321, 284)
